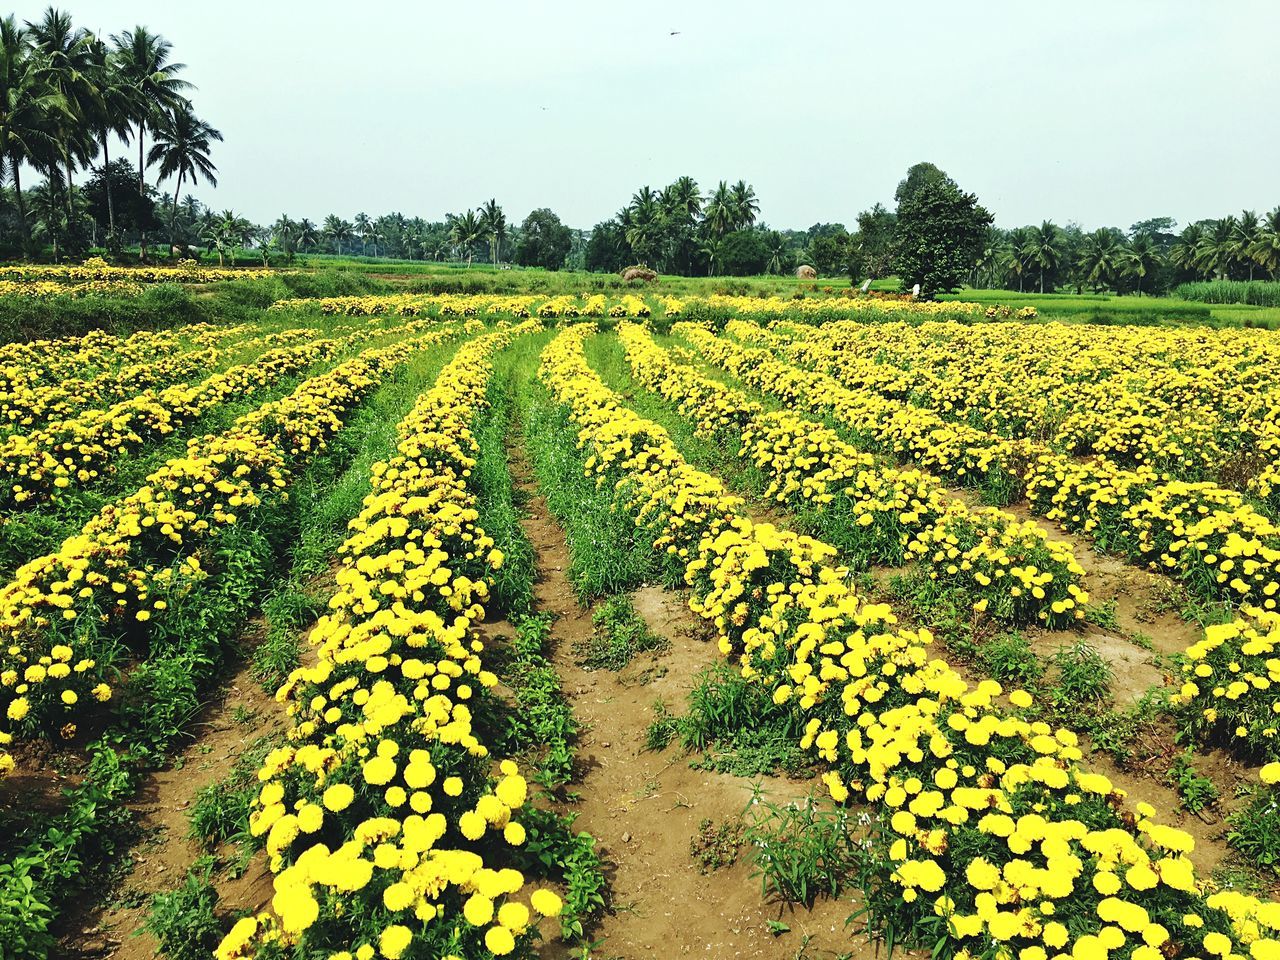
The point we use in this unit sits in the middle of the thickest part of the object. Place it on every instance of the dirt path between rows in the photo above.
(109, 923)
(645, 807)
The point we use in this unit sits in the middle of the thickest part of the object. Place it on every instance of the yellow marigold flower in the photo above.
(478, 910)
(394, 941)
(499, 941)
(338, 797)
(546, 902)
(452, 786)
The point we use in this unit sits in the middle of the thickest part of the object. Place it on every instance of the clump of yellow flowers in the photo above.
(1008, 568)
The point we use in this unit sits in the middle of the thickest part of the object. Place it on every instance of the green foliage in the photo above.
(1008, 658)
(544, 241)
(937, 234)
(512, 588)
(1081, 680)
(220, 811)
(1255, 829)
(606, 554)
(1258, 293)
(737, 727)
(715, 846)
(54, 859)
(184, 921)
(543, 724)
(620, 634)
(552, 849)
(1197, 791)
(803, 849)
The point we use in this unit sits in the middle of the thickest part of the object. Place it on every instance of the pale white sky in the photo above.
(1101, 111)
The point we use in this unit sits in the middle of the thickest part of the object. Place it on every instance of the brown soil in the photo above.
(644, 808)
(110, 925)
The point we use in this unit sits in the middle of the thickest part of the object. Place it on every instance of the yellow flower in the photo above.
(546, 902)
(394, 941)
(499, 941)
(338, 797)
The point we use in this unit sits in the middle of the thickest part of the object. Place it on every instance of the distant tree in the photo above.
(829, 254)
(1160, 230)
(133, 212)
(1244, 234)
(745, 205)
(875, 239)
(1102, 258)
(607, 248)
(917, 177)
(1141, 259)
(544, 240)
(644, 225)
(465, 231)
(744, 253)
(1043, 249)
(494, 223)
(937, 234)
(780, 259)
(1266, 250)
(337, 230)
(719, 216)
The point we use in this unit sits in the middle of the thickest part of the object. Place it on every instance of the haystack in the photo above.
(806, 272)
(639, 273)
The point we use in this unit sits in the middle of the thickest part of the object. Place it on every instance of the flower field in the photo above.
(470, 626)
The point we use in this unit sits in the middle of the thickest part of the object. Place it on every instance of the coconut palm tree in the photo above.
(745, 205)
(337, 230)
(1265, 251)
(1101, 257)
(1184, 254)
(27, 101)
(1244, 234)
(118, 100)
(308, 234)
(182, 145)
(1140, 259)
(67, 52)
(719, 215)
(1043, 248)
(1216, 250)
(494, 223)
(144, 60)
(465, 231)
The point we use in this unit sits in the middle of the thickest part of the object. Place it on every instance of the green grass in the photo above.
(1110, 308)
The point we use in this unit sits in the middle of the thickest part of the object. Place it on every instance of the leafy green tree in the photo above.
(875, 238)
(111, 191)
(1266, 249)
(544, 240)
(607, 249)
(918, 176)
(829, 254)
(465, 231)
(745, 205)
(144, 58)
(744, 253)
(937, 237)
(1244, 234)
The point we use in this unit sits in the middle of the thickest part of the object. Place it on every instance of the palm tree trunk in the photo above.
(22, 209)
(173, 212)
(106, 179)
(1042, 280)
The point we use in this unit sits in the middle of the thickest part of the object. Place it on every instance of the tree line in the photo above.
(66, 95)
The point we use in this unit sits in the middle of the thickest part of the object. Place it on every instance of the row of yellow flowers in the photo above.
(52, 361)
(388, 822)
(47, 289)
(1009, 568)
(996, 841)
(1206, 536)
(817, 309)
(1194, 403)
(130, 562)
(97, 270)
(26, 402)
(36, 466)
